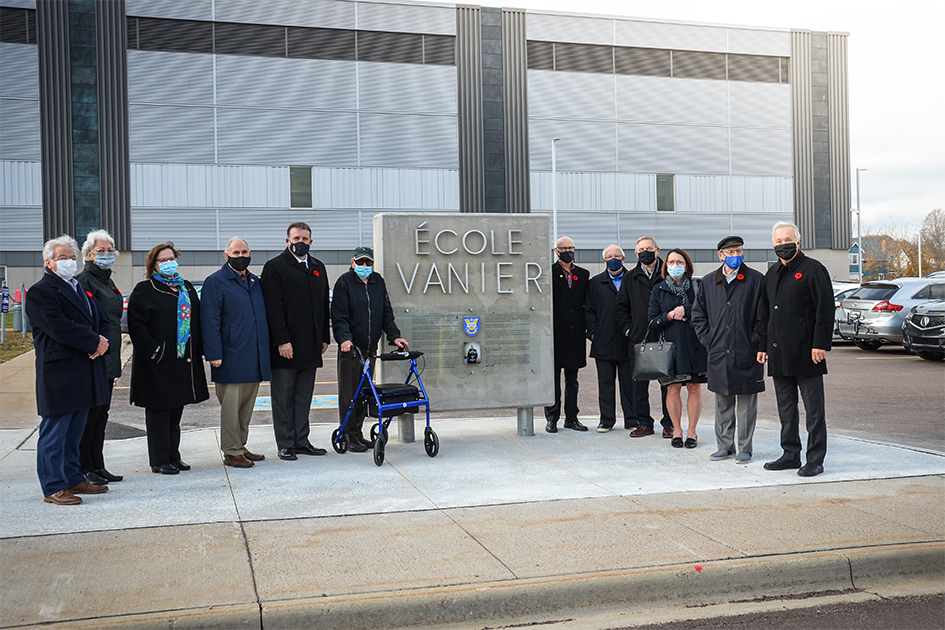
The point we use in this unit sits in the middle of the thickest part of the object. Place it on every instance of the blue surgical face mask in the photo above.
(615, 264)
(676, 271)
(734, 262)
(364, 271)
(168, 268)
(104, 261)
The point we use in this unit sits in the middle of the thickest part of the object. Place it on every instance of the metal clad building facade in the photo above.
(240, 116)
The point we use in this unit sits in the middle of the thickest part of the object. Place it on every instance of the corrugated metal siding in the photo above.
(803, 137)
(515, 103)
(583, 146)
(472, 188)
(759, 42)
(21, 183)
(657, 99)
(408, 141)
(20, 130)
(173, 9)
(258, 136)
(307, 84)
(20, 76)
(405, 18)
(21, 229)
(676, 36)
(761, 152)
(561, 28)
(19, 4)
(161, 133)
(192, 229)
(386, 87)
(673, 149)
(838, 100)
(760, 104)
(324, 13)
(170, 78)
(570, 95)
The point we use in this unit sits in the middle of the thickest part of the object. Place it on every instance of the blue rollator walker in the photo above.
(385, 401)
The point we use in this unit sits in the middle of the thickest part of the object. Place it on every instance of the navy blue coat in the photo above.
(233, 322)
(607, 341)
(65, 333)
(691, 356)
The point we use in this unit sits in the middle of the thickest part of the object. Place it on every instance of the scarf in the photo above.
(680, 290)
(183, 310)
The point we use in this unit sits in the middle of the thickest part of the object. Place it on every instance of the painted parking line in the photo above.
(264, 403)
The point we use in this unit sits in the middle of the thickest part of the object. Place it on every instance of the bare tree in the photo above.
(893, 252)
(933, 241)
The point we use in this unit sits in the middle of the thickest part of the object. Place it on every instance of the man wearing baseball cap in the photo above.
(360, 312)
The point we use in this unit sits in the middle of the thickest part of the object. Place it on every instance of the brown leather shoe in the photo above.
(237, 461)
(63, 497)
(641, 431)
(668, 433)
(86, 488)
(253, 457)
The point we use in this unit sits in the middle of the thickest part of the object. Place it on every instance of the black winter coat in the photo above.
(607, 340)
(797, 316)
(727, 320)
(691, 357)
(296, 309)
(361, 311)
(99, 282)
(159, 379)
(66, 331)
(568, 309)
(633, 302)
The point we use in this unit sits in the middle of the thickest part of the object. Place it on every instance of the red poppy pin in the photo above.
(117, 291)
(315, 271)
(798, 275)
(89, 293)
(574, 277)
(740, 277)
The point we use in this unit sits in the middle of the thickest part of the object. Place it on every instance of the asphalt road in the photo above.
(887, 395)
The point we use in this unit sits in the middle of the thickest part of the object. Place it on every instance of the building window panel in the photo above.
(322, 43)
(300, 186)
(754, 68)
(541, 55)
(584, 58)
(259, 40)
(439, 50)
(698, 65)
(649, 62)
(666, 193)
(175, 35)
(390, 47)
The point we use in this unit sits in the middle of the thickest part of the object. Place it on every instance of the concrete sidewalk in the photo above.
(585, 530)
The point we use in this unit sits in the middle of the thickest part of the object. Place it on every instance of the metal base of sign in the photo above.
(405, 428)
(526, 421)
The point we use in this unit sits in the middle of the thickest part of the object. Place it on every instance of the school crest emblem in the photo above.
(471, 325)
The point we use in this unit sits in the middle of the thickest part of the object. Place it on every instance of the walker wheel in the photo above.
(375, 431)
(431, 443)
(378, 452)
(339, 441)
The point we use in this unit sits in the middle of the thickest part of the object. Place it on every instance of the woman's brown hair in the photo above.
(689, 268)
(153, 254)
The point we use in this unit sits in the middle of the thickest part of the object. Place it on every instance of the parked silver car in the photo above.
(874, 314)
(923, 331)
(841, 290)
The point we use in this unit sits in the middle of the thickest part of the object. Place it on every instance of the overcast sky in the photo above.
(897, 85)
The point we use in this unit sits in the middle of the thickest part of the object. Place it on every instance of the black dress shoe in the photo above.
(95, 479)
(310, 450)
(575, 425)
(165, 469)
(677, 442)
(104, 474)
(287, 454)
(551, 426)
(355, 446)
(369, 443)
(810, 470)
(691, 443)
(179, 465)
(784, 462)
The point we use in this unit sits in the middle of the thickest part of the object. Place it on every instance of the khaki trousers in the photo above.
(236, 410)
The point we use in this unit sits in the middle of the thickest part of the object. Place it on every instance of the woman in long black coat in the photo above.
(670, 312)
(167, 366)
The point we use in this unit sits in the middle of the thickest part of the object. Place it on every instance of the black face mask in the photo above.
(238, 263)
(646, 257)
(786, 251)
(299, 248)
(566, 257)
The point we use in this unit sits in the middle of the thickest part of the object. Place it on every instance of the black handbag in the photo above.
(654, 360)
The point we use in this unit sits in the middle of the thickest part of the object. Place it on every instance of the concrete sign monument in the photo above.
(473, 293)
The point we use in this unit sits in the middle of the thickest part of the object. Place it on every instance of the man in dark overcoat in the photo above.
(295, 288)
(70, 338)
(610, 348)
(797, 312)
(236, 343)
(727, 320)
(633, 300)
(568, 293)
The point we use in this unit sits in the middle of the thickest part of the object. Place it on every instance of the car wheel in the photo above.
(864, 344)
(931, 355)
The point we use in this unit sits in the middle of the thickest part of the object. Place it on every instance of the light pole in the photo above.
(859, 224)
(554, 196)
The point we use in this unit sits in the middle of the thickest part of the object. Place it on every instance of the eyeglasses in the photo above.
(565, 249)
(103, 251)
(364, 262)
(733, 252)
(164, 260)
